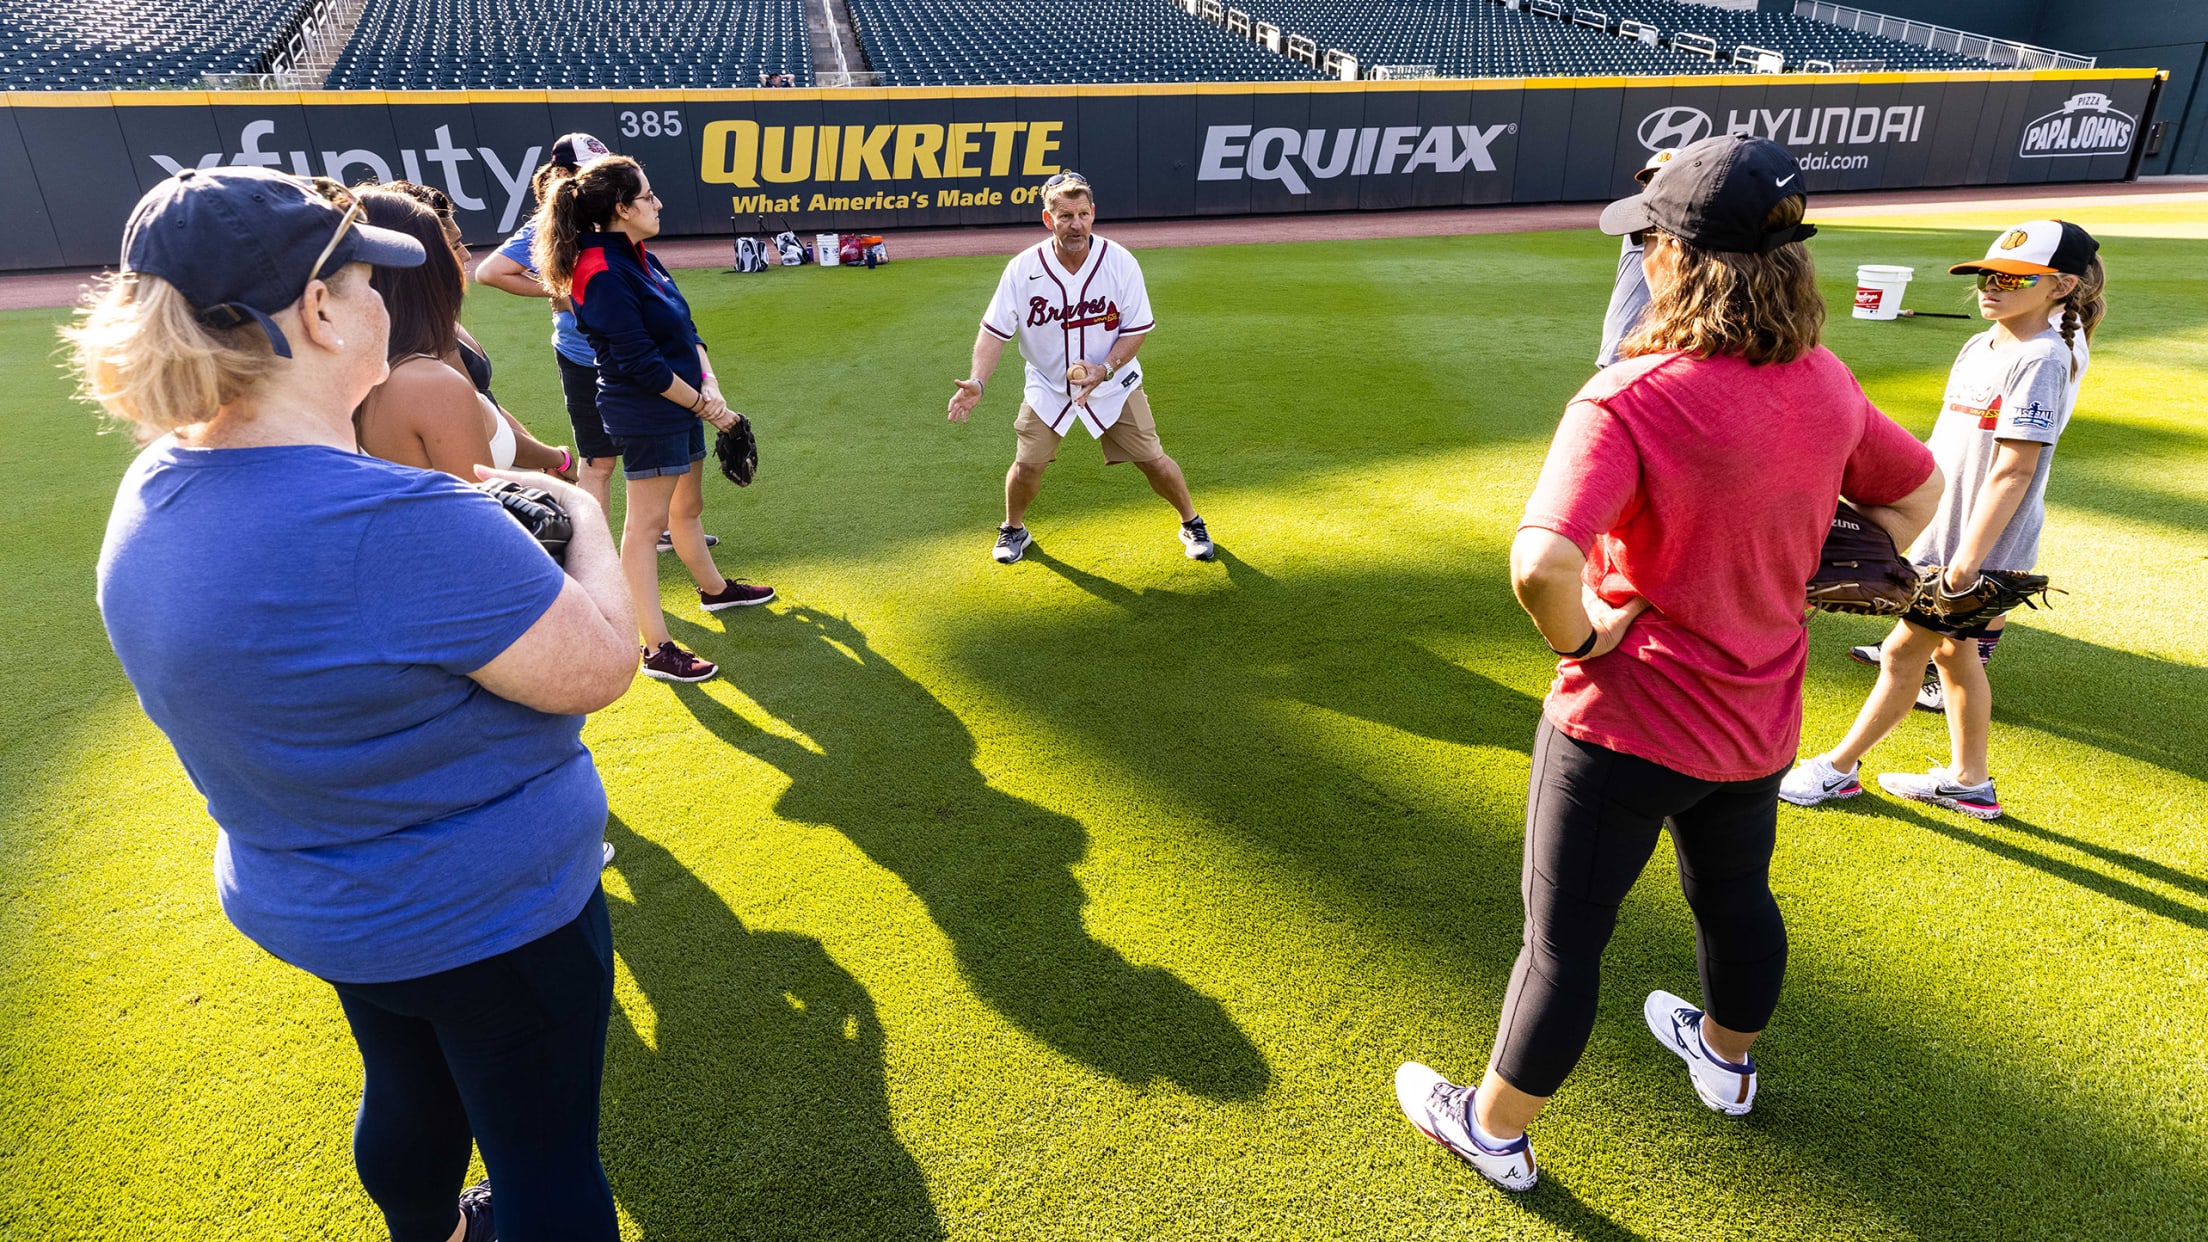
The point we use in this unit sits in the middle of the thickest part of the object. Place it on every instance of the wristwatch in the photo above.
(1107, 368)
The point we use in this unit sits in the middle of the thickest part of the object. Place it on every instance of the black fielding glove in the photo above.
(738, 451)
(1859, 572)
(542, 516)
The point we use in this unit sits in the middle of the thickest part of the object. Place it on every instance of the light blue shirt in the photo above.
(566, 337)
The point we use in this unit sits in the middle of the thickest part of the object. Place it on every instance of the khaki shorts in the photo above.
(1133, 438)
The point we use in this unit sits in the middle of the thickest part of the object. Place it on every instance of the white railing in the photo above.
(1592, 18)
(322, 35)
(1699, 44)
(1339, 64)
(1942, 38)
(1550, 8)
(1266, 35)
(1303, 48)
(1238, 22)
(839, 79)
(1761, 59)
(1403, 73)
(1638, 31)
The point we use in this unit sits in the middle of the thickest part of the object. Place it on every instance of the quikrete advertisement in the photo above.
(882, 160)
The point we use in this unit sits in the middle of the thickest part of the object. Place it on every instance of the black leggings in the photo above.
(1592, 817)
(506, 1053)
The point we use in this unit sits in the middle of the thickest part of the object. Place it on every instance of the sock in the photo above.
(1479, 1133)
(1192, 521)
(1986, 643)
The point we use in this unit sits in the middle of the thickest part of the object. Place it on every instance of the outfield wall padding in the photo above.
(882, 159)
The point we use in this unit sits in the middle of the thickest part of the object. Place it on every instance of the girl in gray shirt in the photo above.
(2007, 401)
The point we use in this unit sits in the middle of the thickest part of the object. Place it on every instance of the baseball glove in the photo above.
(738, 451)
(1858, 571)
(1997, 591)
(536, 510)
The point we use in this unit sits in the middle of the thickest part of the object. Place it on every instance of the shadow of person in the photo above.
(745, 1098)
(894, 772)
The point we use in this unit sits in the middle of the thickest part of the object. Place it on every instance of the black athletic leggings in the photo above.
(1592, 817)
(505, 1053)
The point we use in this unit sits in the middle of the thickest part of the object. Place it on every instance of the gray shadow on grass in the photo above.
(758, 1108)
(1883, 1102)
(895, 774)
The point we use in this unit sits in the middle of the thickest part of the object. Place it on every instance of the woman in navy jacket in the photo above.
(656, 387)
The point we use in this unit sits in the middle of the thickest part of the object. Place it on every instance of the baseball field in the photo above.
(1099, 896)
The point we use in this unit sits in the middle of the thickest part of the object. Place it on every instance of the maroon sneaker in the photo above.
(672, 663)
(735, 593)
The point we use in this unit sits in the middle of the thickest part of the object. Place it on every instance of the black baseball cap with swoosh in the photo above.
(1715, 194)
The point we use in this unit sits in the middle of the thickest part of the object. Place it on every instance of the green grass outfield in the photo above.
(1099, 897)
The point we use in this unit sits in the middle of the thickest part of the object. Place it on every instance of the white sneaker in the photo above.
(605, 856)
(1816, 780)
(1012, 543)
(1442, 1110)
(1196, 540)
(1677, 1025)
(1932, 696)
(1938, 787)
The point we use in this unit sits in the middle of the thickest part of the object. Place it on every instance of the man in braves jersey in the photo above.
(1077, 306)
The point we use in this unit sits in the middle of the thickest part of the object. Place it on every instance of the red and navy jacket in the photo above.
(639, 325)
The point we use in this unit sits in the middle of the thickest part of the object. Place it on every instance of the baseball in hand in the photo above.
(1078, 373)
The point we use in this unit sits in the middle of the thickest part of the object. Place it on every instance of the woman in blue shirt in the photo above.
(656, 387)
(377, 680)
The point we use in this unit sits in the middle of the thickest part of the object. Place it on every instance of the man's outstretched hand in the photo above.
(965, 399)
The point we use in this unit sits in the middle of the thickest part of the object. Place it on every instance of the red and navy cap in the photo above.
(577, 149)
(2037, 248)
(240, 243)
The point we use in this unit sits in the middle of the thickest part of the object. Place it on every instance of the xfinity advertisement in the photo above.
(888, 159)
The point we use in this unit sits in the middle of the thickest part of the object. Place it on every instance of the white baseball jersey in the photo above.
(1060, 318)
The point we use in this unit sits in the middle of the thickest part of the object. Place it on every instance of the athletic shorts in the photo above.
(579, 384)
(1927, 624)
(648, 457)
(1133, 438)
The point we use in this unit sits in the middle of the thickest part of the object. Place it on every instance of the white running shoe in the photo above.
(1938, 787)
(1196, 540)
(1932, 696)
(1816, 780)
(1012, 544)
(605, 856)
(1727, 1088)
(1442, 1111)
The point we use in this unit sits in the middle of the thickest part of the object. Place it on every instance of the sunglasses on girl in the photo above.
(2006, 282)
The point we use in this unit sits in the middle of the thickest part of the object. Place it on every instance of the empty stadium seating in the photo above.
(495, 44)
(1796, 38)
(101, 44)
(994, 42)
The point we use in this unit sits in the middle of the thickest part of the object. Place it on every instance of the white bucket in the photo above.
(1878, 290)
(828, 253)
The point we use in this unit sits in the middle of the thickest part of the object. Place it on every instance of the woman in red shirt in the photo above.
(1663, 555)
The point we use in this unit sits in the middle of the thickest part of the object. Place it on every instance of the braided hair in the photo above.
(2083, 308)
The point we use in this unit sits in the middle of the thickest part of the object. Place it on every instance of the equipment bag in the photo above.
(751, 255)
(791, 249)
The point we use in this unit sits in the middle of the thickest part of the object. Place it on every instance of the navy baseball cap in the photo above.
(243, 243)
(1715, 194)
(577, 149)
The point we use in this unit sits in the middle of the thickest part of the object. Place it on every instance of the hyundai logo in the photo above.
(1672, 128)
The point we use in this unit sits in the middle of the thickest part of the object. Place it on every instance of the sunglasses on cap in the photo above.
(338, 196)
(1068, 177)
(2007, 282)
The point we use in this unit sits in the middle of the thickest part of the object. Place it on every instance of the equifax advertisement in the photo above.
(879, 160)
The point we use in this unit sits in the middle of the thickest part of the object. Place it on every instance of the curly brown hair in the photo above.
(1758, 307)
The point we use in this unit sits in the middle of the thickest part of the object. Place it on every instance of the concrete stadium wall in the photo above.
(905, 158)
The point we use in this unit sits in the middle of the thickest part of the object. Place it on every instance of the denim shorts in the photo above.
(648, 457)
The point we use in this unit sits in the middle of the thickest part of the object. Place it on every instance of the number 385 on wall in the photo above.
(662, 124)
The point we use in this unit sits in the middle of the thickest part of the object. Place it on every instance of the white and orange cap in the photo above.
(2037, 248)
(1655, 161)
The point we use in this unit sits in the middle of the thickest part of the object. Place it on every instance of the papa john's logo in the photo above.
(2089, 124)
(1668, 129)
(2014, 238)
